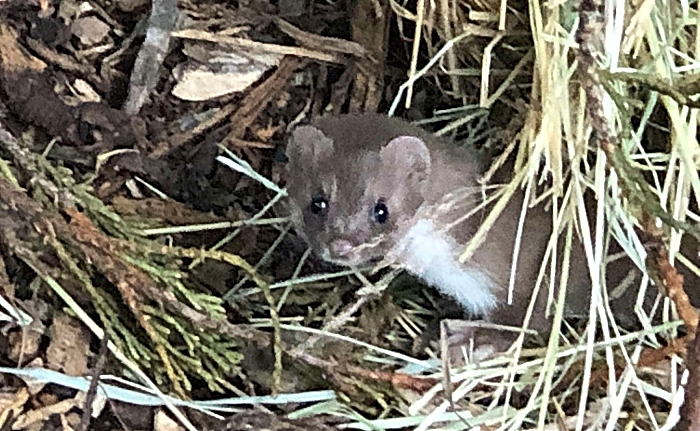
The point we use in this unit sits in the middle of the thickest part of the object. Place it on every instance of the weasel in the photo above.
(364, 187)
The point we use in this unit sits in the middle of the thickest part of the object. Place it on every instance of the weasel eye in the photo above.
(381, 212)
(319, 204)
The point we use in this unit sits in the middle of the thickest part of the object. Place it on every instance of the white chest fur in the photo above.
(432, 256)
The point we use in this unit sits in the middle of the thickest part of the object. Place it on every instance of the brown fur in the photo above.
(348, 158)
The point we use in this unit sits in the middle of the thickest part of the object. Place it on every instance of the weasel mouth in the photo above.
(340, 260)
(346, 252)
(343, 253)
(341, 248)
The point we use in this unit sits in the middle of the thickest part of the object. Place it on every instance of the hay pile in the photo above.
(604, 78)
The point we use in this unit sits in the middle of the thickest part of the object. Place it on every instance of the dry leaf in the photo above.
(69, 348)
(214, 73)
(163, 422)
(90, 30)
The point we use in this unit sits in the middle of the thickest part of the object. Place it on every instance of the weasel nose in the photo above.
(341, 247)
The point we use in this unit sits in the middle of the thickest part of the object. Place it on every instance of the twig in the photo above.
(94, 384)
(146, 71)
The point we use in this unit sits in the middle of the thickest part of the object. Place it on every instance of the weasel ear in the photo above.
(407, 154)
(308, 145)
